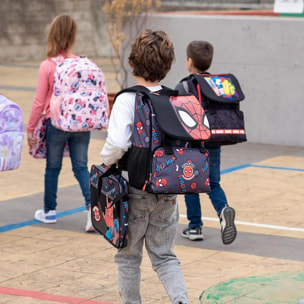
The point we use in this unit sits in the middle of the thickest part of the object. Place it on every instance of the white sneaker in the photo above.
(48, 218)
(89, 227)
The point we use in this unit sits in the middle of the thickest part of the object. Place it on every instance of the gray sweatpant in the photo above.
(155, 222)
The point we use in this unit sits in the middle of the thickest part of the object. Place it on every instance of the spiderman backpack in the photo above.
(220, 96)
(167, 154)
(109, 204)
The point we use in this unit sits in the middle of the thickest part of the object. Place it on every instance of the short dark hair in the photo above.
(201, 53)
(152, 55)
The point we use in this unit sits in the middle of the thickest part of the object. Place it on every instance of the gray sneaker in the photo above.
(193, 234)
(228, 228)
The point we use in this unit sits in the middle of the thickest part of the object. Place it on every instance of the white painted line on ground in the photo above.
(212, 219)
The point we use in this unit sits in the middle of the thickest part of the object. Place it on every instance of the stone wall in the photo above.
(24, 26)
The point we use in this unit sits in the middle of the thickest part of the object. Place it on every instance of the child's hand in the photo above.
(31, 140)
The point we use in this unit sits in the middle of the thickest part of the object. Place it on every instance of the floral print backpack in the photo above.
(79, 101)
(11, 134)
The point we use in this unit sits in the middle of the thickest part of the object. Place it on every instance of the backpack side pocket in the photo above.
(138, 167)
(184, 171)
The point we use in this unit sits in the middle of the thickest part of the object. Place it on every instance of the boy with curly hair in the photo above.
(153, 219)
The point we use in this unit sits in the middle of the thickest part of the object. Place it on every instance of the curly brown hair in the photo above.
(152, 55)
(62, 35)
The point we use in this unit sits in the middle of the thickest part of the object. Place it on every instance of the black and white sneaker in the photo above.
(193, 234)
(228, 228)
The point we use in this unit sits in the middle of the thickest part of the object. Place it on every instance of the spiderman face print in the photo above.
(139, 127)
(192, 116)
(188, 170)
(162, 182)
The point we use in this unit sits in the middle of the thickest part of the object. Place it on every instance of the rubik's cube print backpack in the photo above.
(11, 134)
(220, 95)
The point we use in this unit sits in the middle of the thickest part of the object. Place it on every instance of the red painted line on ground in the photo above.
(226, 12)
(46, 296)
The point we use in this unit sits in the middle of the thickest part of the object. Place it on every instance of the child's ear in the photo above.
(190, 63)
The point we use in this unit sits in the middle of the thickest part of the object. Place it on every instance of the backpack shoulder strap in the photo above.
(141, 89)
(57, 60)
(167, 91)
(134, 89)
(186, 80)
(185, 86)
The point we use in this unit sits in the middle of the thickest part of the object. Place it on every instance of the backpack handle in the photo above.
(145, 91)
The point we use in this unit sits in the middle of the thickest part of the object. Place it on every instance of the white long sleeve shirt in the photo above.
(120, 127)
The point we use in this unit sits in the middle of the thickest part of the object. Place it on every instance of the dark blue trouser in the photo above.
(217, 194)
(78, 145)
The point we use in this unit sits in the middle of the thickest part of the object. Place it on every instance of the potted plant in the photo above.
(122, 15)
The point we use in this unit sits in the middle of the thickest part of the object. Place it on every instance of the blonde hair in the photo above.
(62, 35)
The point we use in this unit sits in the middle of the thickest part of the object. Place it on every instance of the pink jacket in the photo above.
(41, 102)
(43, 94)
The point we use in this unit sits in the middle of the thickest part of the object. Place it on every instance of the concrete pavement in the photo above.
(61, 263)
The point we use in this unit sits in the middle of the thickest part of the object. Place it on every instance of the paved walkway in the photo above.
(60, 263)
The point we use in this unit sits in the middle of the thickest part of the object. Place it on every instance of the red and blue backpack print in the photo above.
(167, 153)
(109, 197)
(79, 101)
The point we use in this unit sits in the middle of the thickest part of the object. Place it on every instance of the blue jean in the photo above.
(78, 145)
(153, 223)
(216, 195)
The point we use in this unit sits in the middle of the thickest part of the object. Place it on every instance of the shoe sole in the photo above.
(229, 232)
(192, 237)
(90, 229)
(46, 222)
